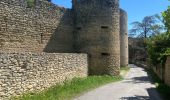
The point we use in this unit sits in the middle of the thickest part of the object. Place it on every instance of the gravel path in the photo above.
(136, 86)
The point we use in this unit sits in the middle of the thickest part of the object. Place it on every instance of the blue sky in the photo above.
(137, 9)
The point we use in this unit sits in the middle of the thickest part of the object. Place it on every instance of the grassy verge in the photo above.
(70, 89)
(162, 88)
(124, 71)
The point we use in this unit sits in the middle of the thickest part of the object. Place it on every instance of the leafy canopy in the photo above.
(159, 46)
(149, 26)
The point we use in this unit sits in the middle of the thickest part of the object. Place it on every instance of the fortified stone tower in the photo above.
(97, 34)
(123, 39)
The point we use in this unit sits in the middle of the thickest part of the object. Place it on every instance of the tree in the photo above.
(149, 26)
(166, 16)
(159, 46)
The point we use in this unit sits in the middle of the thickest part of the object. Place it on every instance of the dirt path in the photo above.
(136, 86)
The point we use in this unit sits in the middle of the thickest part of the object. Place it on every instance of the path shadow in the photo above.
(136, 97)
(136, 80)
(152, 92)
(141, 79)
(153, 95)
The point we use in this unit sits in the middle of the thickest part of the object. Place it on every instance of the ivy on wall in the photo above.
(30, 3)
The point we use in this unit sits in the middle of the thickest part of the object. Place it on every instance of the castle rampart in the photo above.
(44, 27)
(37, 42)
(124, 55)
(97, 34)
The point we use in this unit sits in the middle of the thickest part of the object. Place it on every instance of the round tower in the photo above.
(124, 56)
(97, 34)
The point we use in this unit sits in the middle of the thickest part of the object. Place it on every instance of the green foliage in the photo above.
(125, 68)
(30, 3)
(167, 52)
(158, 48)
(70, 89)
(166, 16)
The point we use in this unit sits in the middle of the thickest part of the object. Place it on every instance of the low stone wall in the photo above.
(167, 71)
(24, 72)
(163, 71)
(159, 70)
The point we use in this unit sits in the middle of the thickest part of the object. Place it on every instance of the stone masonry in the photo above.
(97, 34)
(91, 26)
(37, 42)
(167, 71)
(45, 27)
(124, 56)
(21, 72)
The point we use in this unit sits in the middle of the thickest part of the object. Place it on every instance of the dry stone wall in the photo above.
(167, 71)
(21, 72)
(43, 27)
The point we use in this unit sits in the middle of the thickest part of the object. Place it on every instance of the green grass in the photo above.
(70, 89)
(162, 88)
(124, 70)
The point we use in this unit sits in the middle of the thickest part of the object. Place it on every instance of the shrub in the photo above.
(30, 3)
(158, 48)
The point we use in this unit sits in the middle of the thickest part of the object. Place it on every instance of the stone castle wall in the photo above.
(43, 27)
(97, 34)
(124, 55)
(23, 72)
(91, 26)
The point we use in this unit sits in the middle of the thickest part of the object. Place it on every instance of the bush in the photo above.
(158, 48)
